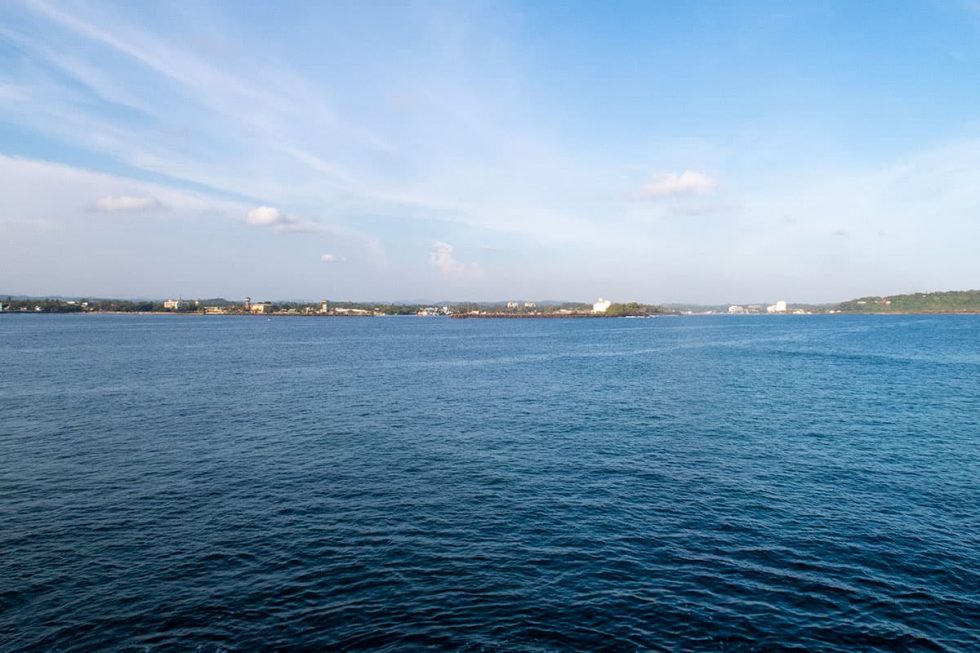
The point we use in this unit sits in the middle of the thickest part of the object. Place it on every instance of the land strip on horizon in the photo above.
(963, 301)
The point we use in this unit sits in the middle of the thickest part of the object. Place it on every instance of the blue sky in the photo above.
(652, 151)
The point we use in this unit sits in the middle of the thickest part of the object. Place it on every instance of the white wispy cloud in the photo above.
(25, 185)
(277, 105)
(287, 223)
(442, 257)
(55, 197)
(331, 258)
(328, 169)
(269, 216)
(128, 203)
(689, 182)
(294, 130)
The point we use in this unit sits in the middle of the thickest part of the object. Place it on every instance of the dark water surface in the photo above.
(224, 483)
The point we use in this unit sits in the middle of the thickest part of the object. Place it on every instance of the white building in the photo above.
(601, 306)
(530, 305)
(513, 305)
(778, 307)
(735, 310)
(171, 304)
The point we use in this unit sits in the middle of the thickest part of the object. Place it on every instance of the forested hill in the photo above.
(956, 301)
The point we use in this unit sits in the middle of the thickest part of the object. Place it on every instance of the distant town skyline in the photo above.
(709, 153)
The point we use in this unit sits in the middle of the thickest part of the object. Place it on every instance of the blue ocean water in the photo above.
(720, 483)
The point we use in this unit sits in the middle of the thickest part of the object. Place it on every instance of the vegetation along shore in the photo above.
(963, 301)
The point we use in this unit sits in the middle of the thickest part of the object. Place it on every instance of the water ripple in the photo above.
(792, 484)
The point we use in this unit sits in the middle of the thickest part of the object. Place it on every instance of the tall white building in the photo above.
(778, 307)
(601, 306)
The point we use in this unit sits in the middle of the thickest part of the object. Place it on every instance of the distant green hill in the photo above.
(956, 301)
(633, 309)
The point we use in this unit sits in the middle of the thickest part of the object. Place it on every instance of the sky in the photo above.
(662, 152)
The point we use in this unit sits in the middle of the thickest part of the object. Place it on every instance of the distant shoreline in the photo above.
(487, 316)
(954, 302)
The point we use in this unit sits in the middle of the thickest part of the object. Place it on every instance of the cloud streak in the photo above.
(128, 203)
(269, 216)
(689, 182)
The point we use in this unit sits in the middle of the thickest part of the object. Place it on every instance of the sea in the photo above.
(717, 483)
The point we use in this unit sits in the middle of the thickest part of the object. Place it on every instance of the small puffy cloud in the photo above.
(441, 256)
(331, 258)
(689, 182)
(120, 203)
(266, 215)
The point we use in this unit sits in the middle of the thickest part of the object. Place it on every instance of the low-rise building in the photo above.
(601, 306)
(171, 305)
(260, 307)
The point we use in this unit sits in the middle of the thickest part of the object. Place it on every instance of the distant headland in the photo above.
(960, 301)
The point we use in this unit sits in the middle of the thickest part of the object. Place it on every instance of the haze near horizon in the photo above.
(708, 153)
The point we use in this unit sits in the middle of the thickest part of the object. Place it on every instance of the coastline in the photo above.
(487, 316)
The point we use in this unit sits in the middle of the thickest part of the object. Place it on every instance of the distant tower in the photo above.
(324, 307)
(247, 305)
